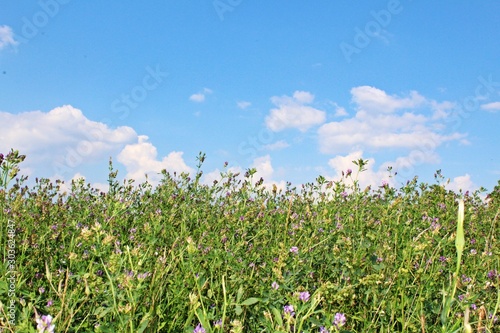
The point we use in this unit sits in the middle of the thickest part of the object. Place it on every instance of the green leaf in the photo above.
(143, 324)
(250, 301)
(277, 316)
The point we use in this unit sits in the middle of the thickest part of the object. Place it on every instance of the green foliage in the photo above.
(231, 256)
(9, 167)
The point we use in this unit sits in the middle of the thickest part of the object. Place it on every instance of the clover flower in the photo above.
(218, 323)
(199, 329)
(304, 296)
(294, 249)
(339, 320)
(44, 324)
(289, 310)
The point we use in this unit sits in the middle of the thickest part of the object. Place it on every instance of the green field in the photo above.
(236, 256)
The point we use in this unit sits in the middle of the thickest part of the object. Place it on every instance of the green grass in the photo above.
(166, 259)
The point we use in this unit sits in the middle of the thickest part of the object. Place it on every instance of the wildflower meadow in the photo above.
(239, 256)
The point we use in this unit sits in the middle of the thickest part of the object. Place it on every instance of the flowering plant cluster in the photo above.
(240, 255)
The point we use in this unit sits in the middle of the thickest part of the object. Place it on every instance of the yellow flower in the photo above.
(86, 233)
(108, 239)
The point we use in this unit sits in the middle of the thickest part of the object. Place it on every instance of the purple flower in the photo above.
(41, 290)
(49, 303)
(275, 285)
(218, 323)
(339, 320)
(322, 329)
(289, 310)
(492, 274)
(461, 297)
(294, 249)
(344, 194)
(473, 306)
(44, 324)
(348, 172)
(199, 329)
(304, 296)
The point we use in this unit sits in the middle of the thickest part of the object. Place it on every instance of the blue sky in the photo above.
(293, 89)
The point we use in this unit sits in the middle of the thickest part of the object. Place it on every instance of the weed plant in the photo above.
(235, 256)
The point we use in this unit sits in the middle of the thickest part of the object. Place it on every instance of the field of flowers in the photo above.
(237, 257)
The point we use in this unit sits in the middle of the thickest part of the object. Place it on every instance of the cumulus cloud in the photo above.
(492, 107)
(293, 112)
(462, 183)
(376, 100)
(62, 139)
(62, 143)
(200, 96)
(369, 177)
(6, 37)
(262, 164)
(377, 124)
(141, 159)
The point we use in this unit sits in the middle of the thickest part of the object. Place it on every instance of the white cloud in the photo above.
(376, 100)
(377, 124)
(209, 177)
(292, 112)
(6, 37)
(200, 97)
(368, 177)
(462, 183)
(492, 107)
(265, 171)
(340, 111)
(243, 104)
(140, 159)
(59, 144)
(197, 97)
(264, 168)
(59, 141)
(441, 109)
(281, 144)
